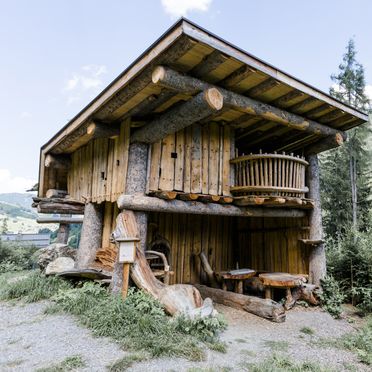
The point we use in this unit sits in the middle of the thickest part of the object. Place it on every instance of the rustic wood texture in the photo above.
(263, 308)
(91, 236)
(194, 160)
(152, 204)
(190, 236)
(272, 244)
(317, 260)
(171, 79)
(257, 174)
(98, 169)
(199, 107)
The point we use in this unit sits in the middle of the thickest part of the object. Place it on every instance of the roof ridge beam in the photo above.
(171, 79)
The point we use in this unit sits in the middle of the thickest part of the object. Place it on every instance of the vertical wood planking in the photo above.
(226, 160)
(187, 160)
(205, 159)
(166, 180)
(214, 158)
(196, 176)
(155, 166)
(179, 161)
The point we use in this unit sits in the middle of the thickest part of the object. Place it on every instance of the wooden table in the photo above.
(283, 281)
(237, 277)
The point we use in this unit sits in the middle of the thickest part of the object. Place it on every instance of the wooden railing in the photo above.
(270, 174)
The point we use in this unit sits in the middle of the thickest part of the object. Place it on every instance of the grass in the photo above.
(307, 331)
(359, 342)
(139, 323)
(277, 345)
(127, 361)
(280, 363)
(30, 287)
(68, 364)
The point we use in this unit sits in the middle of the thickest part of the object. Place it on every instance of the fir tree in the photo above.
(345, 171)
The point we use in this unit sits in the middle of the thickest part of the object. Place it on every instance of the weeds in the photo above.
(126, 362)
(307, 331)
(68, 364)
(32, 287)
(277, 345)
(139, 322)
(279, 363)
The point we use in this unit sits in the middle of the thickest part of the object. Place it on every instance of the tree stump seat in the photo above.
(237, 277)
(282, 281)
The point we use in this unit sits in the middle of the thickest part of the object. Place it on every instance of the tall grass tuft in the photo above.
(32, 287)
(138, 323)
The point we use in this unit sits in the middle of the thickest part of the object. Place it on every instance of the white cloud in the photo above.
(25, 115)
(87, 82)
(178, 8)
(10, 183)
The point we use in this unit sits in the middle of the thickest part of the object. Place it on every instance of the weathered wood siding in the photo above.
(272, 244)
(188, 236)
(193, 160)
(98, 169)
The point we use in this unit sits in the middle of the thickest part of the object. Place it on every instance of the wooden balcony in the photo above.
(270, 175)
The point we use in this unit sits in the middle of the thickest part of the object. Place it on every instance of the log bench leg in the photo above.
(239, 286)
(289, 302)
(224, 285)
(268, 293)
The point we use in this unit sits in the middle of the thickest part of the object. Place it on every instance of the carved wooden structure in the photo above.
(169, 139)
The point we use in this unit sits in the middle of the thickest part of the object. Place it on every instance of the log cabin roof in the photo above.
(188, 48)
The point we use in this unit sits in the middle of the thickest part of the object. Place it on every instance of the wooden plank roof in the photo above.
(188, 48)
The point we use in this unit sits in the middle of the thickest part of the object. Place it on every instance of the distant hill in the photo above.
(20, 217)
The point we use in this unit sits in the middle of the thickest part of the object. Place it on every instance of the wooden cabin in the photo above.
(214, 149)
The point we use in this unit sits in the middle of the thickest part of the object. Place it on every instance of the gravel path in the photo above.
(30, 340)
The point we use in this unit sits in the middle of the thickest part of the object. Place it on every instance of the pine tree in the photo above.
(345, 171)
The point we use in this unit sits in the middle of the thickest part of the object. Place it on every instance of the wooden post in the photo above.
(136, 184)
(63, 232)
(317, 259)
(91, 235)
(124, 288)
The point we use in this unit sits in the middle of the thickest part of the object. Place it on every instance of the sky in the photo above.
(56, 56)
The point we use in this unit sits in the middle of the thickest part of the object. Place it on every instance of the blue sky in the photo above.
(57, 55)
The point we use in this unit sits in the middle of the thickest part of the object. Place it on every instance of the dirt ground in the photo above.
(29, 340)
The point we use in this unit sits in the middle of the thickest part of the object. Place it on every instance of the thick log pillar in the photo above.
(317, 259)
(91, 235)
(62, 233)
(135, 184)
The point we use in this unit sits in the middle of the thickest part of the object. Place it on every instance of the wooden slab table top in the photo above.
(283, 281)
(237, 277)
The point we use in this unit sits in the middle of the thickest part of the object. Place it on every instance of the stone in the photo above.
(59, 265)
(53, 251)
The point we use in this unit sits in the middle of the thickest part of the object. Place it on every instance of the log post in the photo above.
(135, 184)
(62, 233)
(91, 235)
(317, 259)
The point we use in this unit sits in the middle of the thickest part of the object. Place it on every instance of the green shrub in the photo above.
(32, 287)
(331, 297)
(15, 257)
(360, 343)
(138, 323)
(349, 261)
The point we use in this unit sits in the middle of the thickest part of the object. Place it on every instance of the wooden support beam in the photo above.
(324, 145)
(63, 233)
(262, 87)
(57, 161)
(199, 107)
(64, 220)
(317, 259)
(208, 64)
(237, 76)
(58, 206)
(101, 130)
(151, 204)
(288, 97)
(91, 235)
(274, 201)
(54, 193)
(174, 80)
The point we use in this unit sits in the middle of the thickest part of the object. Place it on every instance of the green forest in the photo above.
(346, 182)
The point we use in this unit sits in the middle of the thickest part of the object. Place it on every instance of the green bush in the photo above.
(138, 323)
(331, 297)
(350, 263)
(15, 257)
